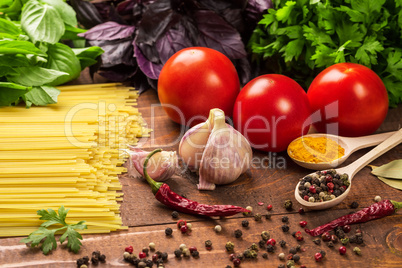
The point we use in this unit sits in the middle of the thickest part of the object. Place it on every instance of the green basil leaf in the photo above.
(7, 70)
(9, 27)
(10, 93)
(70, 33)
(42, 22)
(65, 11)
(18, 47)
(35, 76)
(392, 170)
(62, 58)
(14, 60)
(11, 7)
(41, 95)
(87, 56)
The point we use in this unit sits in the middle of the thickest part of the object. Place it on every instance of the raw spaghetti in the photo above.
(70, 154)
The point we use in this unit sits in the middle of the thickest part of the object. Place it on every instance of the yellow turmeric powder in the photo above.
(315, 149)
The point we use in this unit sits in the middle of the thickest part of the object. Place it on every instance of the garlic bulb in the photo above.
(216, 150)
(160, 168)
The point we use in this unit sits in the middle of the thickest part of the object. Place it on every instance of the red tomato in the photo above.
(271, 111)
(195, 80)
(351, 99)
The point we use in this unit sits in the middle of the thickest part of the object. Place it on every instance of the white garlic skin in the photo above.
(218, 151)
(160, 167)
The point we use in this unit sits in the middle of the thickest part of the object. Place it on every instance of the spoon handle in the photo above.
(368, 141)
(383, 147)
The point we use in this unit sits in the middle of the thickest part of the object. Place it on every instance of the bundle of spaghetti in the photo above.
(69, 154)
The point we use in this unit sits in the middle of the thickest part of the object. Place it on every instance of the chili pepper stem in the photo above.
(154, 185)
(397, 205)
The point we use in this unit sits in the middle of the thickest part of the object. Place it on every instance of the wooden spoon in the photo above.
(349, 144)
(351, 170)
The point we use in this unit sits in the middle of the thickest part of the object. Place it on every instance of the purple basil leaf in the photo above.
(118, 73)
(109, 31)
(234, 18)
(150, 69)
(116, 52)
(243, 68)
(220, 5)
(115, 16)
(173, 41)
(255, 9)
(86, 13)
(217, 34)
(155, 22)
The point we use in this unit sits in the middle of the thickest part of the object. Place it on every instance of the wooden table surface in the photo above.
(147, 218)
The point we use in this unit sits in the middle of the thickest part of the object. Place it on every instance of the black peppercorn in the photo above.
(208, 244)
(102, 258)
(282, 243)
(244, 223)
(238, 233)
(175, 214)
(270, 248)
(330, 244)
(323, 253)
(80, 262)
(296, 257)
(294, 234)
(195, 254)
(268, 216)
(149, 263)
(285, 228)
(292, 250)
(285, 219)
(164, 256)
(265, 256)
(298, 248)
(288, 204)
(168, 231)
(94, 261)
(354, 205)
(261, 243)
(178, 253)
(317, 241)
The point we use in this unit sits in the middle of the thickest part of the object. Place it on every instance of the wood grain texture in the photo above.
(272, 184)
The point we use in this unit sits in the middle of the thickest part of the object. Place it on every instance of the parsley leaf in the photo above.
(46, 237)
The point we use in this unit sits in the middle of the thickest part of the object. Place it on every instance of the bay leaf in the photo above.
(391, 170)
(397, 184)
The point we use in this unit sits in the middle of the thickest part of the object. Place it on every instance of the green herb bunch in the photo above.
(46, 237)
(300, 38)
(33, 56)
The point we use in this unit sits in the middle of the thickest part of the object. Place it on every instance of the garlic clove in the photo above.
(193, 143)
(226, 156)
(160, 168)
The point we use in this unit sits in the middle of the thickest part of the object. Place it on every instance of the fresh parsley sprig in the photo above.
(46, 237)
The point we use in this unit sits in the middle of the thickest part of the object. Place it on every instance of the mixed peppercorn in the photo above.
(323, 186)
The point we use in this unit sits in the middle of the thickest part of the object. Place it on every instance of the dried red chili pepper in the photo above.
(375, 211)
(169, 198)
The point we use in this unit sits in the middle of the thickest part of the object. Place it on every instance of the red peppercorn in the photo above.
(331, 191)
(155, 258)
(326, 236)
(142, 255)
(271, 242)
(303, 223)
(303, 266)
(318, 257)
(129, 249)
(312, 189)
(269, 207)
(192, 249)
(344, 187)
(328, 178)
(306, 197)
(346, 228)
(330, 185)
(236, 262)
(301, 210)
(334, 238)
(232, 257)
(184, 229)
(342, 250)
(299, 236)
(180, 223)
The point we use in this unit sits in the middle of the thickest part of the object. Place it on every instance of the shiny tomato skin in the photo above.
(195, 80)
(271, 111)
(351, 99)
